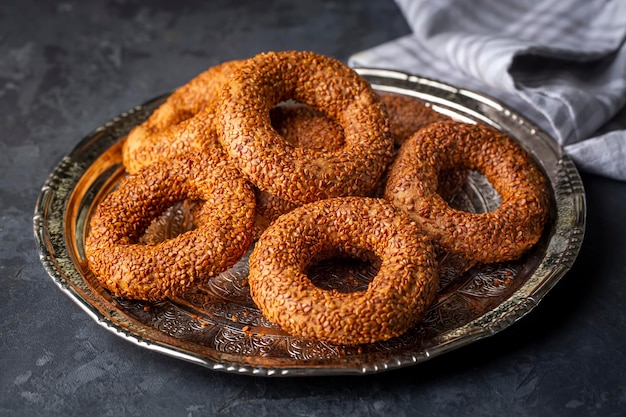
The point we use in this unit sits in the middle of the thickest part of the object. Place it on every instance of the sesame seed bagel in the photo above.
(299, 174)
(154, 272)
(358, 227)
(501, 235)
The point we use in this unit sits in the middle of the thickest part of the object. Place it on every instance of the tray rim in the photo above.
(64, 175)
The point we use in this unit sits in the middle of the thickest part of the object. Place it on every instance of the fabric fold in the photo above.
(561, 63)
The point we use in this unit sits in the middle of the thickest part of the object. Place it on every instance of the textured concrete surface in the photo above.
(69, 66)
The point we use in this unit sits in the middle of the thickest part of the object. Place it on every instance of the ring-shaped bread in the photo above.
(355, 227)
(153, 272)
(294, 173)
(500, 235)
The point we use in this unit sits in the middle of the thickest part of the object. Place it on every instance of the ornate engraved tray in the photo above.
(219, 327)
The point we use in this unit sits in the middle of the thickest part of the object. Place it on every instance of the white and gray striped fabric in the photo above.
(561, 63)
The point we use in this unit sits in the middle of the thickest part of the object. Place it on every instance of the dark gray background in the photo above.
(69, 66)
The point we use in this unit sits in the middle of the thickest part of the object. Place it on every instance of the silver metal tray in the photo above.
(219, 327)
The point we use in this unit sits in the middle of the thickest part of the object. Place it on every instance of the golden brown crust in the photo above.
(501, 235)
(407, 115)
(301, 126)
(185, 122)
(297, 174)
(189, 99)
(192, 135)
(268, 209)
(395, 299)
(154, 272)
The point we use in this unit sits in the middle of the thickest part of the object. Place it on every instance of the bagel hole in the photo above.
(303, 126)
(343, 272)
(475, 195)
(175, 220)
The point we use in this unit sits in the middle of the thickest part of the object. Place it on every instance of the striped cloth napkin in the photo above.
(561, 63)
